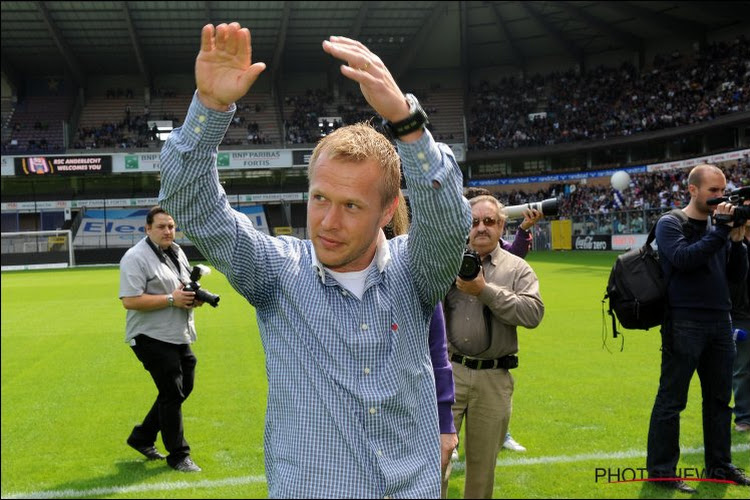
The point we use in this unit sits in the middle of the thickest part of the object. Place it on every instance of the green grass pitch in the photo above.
(72, 390)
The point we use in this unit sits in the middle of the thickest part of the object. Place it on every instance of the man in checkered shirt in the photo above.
(343, 316)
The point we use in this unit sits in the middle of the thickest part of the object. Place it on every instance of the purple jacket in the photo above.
(441, 365)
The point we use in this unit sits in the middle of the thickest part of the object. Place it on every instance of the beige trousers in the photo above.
(484, 401)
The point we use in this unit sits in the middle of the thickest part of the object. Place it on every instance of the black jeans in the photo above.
(172, 366)
(686, 347)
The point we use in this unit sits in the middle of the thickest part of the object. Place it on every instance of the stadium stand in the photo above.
(690, 101)
(256, 122)
(677, 90)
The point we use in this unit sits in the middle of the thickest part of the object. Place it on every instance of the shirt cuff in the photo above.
(445, 415)
(204, 126)
(422, 157)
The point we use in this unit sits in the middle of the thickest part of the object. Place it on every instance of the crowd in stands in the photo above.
(302, 126)
(610, 102)
(676, 90)
(599, 209)
(242, 118)
(309, 118)
(131, 132)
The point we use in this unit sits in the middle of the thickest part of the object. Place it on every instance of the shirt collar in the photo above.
(382, 257)
(495, 254)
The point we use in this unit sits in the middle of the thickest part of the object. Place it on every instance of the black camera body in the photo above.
(741, 212)
(194, 286)
(471, 264)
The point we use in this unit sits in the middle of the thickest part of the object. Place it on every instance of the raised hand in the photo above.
(530, 217)
(223, 69)
(377, 85)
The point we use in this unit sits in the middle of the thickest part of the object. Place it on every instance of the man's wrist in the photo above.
(170, 300)
(211, 103)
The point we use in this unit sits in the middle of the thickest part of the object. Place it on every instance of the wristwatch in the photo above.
(416, 121)
(170, 300)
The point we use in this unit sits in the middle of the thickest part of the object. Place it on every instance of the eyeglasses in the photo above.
(487, 221)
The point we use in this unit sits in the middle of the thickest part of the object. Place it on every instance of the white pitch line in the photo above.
(237, 481)
(587, 457)
(140, 488)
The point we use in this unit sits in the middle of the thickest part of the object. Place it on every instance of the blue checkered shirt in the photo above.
(351, 394)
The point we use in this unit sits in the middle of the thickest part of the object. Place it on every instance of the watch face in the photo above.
(413, 103)
(416, 120)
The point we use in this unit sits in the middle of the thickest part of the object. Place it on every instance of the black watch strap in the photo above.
(416, 120)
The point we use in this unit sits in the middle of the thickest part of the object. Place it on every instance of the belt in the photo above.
(508, 362)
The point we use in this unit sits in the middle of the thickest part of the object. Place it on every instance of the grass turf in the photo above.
(72, 390)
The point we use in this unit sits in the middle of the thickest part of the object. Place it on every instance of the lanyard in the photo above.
(169, 253)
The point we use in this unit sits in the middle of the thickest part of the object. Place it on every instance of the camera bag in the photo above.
(637, 290)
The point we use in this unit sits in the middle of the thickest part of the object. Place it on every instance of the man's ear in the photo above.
(389, 211)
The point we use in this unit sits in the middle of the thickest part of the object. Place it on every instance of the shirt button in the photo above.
(343, 292)
(364, 326)
(367, 371)
(202, 118)
(197, 130)
(425, 166)
(373, 411)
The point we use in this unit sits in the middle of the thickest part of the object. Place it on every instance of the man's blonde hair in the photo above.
(357, 144)
(494, 201)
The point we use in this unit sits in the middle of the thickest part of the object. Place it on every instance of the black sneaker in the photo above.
(186, 465)
(148, 451)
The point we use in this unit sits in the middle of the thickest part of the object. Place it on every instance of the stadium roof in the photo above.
(158, 37)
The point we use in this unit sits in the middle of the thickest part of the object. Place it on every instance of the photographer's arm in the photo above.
(521, 305)
(147, 302)
(522, 242)
(679, 252)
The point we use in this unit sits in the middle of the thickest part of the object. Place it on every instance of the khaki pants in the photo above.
(484, 401)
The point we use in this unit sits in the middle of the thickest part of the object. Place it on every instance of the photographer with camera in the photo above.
(344, 315)
(699, 260)
(160, 329)
(520, 246)
(522, 242)
(482, 312)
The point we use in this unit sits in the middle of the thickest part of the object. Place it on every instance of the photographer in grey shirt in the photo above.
(160, 329)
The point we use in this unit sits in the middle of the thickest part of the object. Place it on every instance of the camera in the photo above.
(548, 207)
(470, 265)
(741, 212)
(200, 294)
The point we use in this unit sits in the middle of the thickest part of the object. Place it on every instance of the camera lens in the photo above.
(470, 265)
(207, 297)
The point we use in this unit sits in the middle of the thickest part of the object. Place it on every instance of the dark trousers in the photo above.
(686, 347)
(172, 367)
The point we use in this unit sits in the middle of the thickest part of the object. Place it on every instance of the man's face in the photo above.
(345, 212)
(486, 228)
(161, 231)
(713, 185)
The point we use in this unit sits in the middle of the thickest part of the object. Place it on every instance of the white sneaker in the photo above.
(512, 444)
(454, 455)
